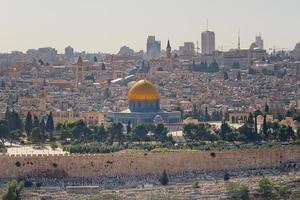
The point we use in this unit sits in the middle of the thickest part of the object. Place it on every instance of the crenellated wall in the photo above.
(143, 163)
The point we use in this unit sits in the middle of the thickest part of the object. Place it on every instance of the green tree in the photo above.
(4, 131)
(50, 123)
(36, 136)
(36, 121)
(237, 191)
(267, 109)
(207, 116)
(140, 133)
(266, 188)
(28, 123)
(265, 127)
(247, 134)
(250, 120)
(239, 76)
(101, 134)
(81, 132)
(291, 133)
(226, 77)
(160, 133)
(198, 132)
(115, 133)
(285, 133)
(42, 128)
(13, 119)
(162, 196)
(128, 127)
(13, 191)
(226, 176)
(14, 135)
(164, 179)
(298, 134)
(226, 133)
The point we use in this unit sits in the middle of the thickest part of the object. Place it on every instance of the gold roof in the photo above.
(143, 90)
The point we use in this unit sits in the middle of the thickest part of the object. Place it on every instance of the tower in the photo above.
(168, 50)
(42, 102)
(79, 71)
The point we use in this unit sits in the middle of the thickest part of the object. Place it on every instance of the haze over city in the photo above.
(106, 25)
(149, 99)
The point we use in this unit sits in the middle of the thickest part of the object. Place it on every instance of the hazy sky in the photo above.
(106, 25)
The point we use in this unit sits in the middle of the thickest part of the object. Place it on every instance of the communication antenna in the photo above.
(239, 41)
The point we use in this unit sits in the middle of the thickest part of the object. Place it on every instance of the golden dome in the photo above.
(143, 90)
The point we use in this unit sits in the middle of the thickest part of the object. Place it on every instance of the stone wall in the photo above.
(143, 163)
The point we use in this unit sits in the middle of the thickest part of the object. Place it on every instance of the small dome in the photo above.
(143, 90)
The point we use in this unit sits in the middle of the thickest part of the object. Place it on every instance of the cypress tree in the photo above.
(36, 122)
(265, 127)
(250, 120)
(50, 123)
(267, 109)
(128, 127)
(238, 76)
(101, 134)
(42, 129)
(7, 114)
(226, 77)
(16, 122)
(164, 180)
(28, 123)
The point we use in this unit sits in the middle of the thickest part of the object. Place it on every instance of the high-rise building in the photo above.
(259, 42)
(153, 48)
(208, 42)
(295, 53)
(69, 53)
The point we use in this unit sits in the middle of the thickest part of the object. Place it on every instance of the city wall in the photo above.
(128, 163)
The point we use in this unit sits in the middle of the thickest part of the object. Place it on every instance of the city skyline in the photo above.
(105, 26)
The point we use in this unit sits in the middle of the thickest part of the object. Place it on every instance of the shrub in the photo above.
(13, 191)
(237, 192)
(195, 185)
(266, 187)
(28, 183)
(283, 191)
(38, 184)
(226, 176)
(54, 146)
(162, 196)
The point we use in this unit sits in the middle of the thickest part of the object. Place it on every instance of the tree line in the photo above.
(79, 132)
(246, 133)
(204, 67)
(12, 127)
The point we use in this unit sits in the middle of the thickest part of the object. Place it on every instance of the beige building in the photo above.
(90, 117)
(238, 117)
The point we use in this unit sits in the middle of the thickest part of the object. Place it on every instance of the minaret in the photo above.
(79, 71)
(168, 50)
(42, 101)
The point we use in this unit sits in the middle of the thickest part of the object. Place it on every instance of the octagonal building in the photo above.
(144, 107)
